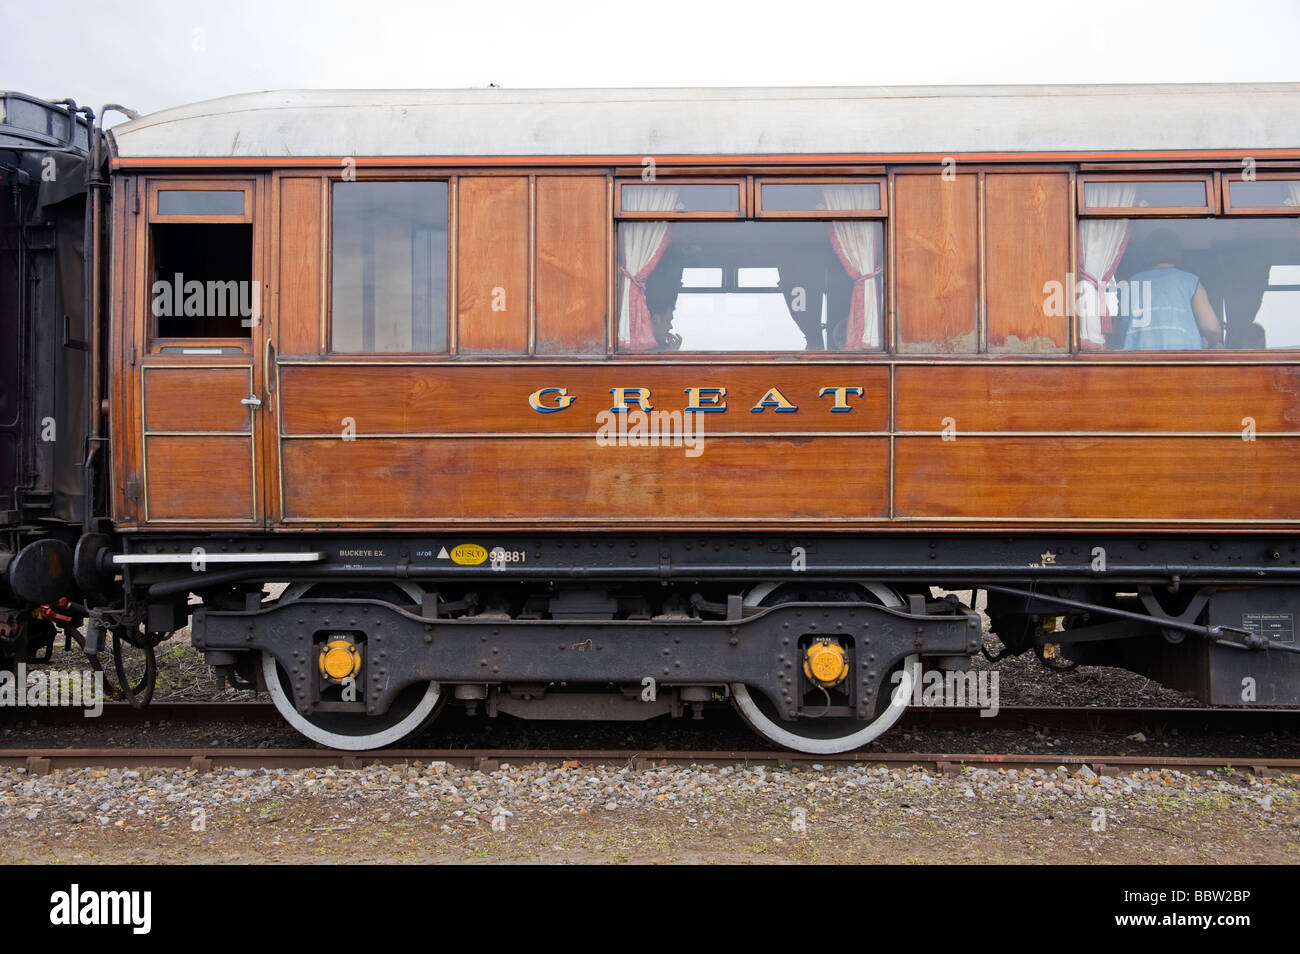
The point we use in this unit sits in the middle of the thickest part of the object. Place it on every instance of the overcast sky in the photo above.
(158, 53)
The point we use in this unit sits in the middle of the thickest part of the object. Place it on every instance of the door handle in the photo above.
(268, 365)
(252, 401)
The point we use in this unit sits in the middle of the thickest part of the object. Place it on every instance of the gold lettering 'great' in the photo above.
(708, 399)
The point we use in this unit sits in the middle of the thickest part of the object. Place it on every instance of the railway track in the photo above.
(45, 758)
(1008, 717)
(42, 762)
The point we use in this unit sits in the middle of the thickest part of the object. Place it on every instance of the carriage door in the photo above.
(202, 353)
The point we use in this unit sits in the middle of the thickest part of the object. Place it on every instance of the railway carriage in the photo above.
(617, 404)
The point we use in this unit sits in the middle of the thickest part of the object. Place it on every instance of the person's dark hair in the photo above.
(1164, 247)
(662, 287)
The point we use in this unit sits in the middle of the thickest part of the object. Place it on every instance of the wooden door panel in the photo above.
(492, 265)
(199, 479)
(572, 252)
(187, 399)
(938, 263)
(1027, 245)
(301, 284)
(198, 443)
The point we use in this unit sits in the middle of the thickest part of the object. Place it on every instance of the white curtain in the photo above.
(643, 246)
(1101, 246)
(858, 246)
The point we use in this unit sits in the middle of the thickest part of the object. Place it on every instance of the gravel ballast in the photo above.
(569, 812)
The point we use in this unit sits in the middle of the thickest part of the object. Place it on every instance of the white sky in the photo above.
(153, 54)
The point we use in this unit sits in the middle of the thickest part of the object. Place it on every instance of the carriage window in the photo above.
(774, 286)
(643, 201)
(201, 284)
(1264, 194)
(388, 261)
(1189, 284)
(814, 198)
(1149, 196)
(200, 202)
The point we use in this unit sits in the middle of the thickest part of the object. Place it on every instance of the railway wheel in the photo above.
(830, 735)
(413, 709)
(411, 712)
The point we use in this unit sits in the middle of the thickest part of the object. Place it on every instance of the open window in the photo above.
(809, 281)
(202, 296)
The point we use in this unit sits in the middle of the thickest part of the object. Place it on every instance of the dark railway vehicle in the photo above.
(583, 404)
(45, 223)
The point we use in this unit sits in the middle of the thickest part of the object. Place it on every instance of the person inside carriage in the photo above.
(661, 290)
(1172, 312)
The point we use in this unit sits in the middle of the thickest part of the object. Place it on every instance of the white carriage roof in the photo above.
(667, 122)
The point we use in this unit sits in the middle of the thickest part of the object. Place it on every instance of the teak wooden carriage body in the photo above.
(724, 382)
(981, 410)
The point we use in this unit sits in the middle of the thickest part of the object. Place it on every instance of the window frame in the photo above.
(1265, 210)
(1209, 210)
(880, 182)
(327, 241)
(155, 343)
(750, 187)
(199, 185)
(650, 215)
(1221, 184)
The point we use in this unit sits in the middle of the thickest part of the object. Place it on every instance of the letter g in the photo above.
(563, 400)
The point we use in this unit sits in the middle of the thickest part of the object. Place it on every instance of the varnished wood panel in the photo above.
(123, 414)
(492, 265)
(1026, 244)
(938, 263)
(300, 280)
(199, 478)
(573, 478)
(415, 399)
(572, 243)
(1083, 397)
(1106, 478)
(196, 399)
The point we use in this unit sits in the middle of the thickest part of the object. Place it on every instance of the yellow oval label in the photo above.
(468, 554)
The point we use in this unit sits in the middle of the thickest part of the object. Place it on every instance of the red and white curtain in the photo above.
(1101, 246)
(643, 246)
(857, 244)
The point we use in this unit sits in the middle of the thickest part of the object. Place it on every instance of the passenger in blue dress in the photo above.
(1170, 310)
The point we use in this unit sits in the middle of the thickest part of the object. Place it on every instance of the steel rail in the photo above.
(1096, 718)
(208, 759)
